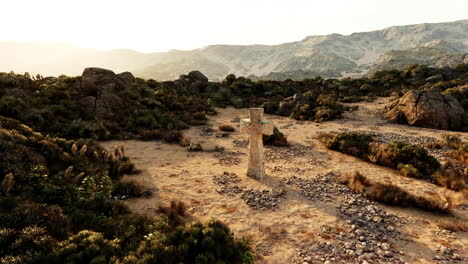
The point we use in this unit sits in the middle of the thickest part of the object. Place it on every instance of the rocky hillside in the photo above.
(331, 56)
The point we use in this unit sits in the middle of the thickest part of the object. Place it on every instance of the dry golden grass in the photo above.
(453, 224)
(391, 194)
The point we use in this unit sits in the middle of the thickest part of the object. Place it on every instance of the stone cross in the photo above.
(255, 126)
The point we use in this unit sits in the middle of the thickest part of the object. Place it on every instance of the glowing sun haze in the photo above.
(152, 26)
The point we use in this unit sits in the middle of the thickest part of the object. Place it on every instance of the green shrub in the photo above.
(193, 243)
(413, 160)
(26, 246)
(408, 170)
(352, 143)
(85, 247)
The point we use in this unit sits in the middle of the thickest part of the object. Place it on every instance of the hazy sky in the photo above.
(186, 24)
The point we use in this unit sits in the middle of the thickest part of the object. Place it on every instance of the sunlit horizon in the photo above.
(155, 26)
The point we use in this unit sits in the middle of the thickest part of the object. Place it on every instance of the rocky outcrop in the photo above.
(426, 109)
(197, 76)
(96, 88)
(94, 80)
(105, 107)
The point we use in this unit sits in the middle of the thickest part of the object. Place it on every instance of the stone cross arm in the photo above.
(255, 124)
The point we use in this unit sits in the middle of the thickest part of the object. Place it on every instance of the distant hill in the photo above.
(331, 56)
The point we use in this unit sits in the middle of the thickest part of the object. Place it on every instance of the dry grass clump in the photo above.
(461, 153)
(451, 141)
(226, 128)
(175, 212)
(452, 177)
(391, 194)
(458, 149)
(131, 187)
(453, 224)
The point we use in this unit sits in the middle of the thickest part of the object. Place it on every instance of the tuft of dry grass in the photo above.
(451, 177)
(175, 212)
(131, 187)
(391, 194)
(451, 141)
(453, 224)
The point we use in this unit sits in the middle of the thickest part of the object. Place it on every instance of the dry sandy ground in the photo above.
(276, 234)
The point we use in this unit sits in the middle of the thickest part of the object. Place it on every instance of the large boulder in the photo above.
(426, 109)
(286, 107)
(197, 76)
(107, 106)
(94, 80)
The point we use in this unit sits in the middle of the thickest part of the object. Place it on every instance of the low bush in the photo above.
(277, 139)
(198, 243)
(85, 247)
(352, 143)
(411, 160)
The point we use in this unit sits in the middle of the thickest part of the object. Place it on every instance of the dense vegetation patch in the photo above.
(98, 105)
(56, 206)
(103, 105)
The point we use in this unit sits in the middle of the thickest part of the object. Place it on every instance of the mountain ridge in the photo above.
(332, 55)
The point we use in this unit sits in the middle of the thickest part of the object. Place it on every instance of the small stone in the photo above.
(358, 232)
(385, 246)
(380, 253)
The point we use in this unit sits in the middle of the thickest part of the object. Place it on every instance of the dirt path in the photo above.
(295, 230)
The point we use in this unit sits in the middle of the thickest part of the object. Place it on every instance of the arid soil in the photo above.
(298, 214)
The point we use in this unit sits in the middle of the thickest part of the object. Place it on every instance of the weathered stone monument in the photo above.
(256, 126)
